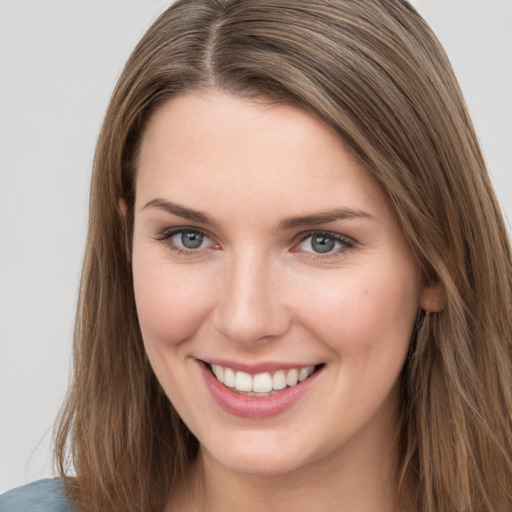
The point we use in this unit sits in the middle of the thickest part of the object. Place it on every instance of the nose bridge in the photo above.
(250, 307)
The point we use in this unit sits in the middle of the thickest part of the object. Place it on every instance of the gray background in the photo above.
(59, 60)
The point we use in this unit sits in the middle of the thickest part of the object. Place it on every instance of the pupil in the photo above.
(322, 244)
(191, 239)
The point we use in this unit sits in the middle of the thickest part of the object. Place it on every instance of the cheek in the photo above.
(170, 302)
(363, 312)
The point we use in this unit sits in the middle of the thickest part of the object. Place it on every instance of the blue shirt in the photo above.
(41, 496)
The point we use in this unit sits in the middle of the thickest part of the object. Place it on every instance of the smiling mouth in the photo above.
(261, 384)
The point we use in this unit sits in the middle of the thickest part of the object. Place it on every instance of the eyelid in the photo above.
(168, 232)
(165, 236)
(346, 242)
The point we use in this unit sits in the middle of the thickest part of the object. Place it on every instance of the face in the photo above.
(265, 254)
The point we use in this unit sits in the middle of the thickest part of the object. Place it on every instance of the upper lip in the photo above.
(257, 367)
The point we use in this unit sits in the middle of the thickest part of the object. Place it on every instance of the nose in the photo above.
(250, 307)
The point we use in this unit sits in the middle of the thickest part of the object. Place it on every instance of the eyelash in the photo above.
(166, 238)
(346, 243)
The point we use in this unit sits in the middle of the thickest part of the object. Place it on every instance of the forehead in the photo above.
(224, 123)
(214, 150)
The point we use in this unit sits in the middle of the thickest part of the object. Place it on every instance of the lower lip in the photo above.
(255, 407)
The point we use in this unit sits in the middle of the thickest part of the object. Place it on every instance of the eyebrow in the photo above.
(293, 222)
(181, 211)
(324, 218)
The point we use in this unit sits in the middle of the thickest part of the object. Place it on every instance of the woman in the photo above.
(297, 291)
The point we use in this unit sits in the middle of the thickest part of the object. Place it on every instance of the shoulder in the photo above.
(41, 496)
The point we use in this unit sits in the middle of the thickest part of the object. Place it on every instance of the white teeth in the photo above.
(243, 381)
(218, 371)
(292, 377)
(229, 377)
(305, 373)
(278, 380)
(261, 384)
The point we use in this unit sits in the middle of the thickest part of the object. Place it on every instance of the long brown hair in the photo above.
(374, 72)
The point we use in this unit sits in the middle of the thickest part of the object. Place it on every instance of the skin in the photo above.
(256, 290)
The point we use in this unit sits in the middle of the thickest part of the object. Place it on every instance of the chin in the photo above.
(258, 462)
(259, 453)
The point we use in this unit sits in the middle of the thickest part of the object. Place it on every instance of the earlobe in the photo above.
(432, 298)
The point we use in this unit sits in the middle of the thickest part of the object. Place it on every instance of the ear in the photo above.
(432, 298)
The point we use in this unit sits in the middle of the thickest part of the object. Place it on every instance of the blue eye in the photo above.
(324, 243)
(188, 239)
